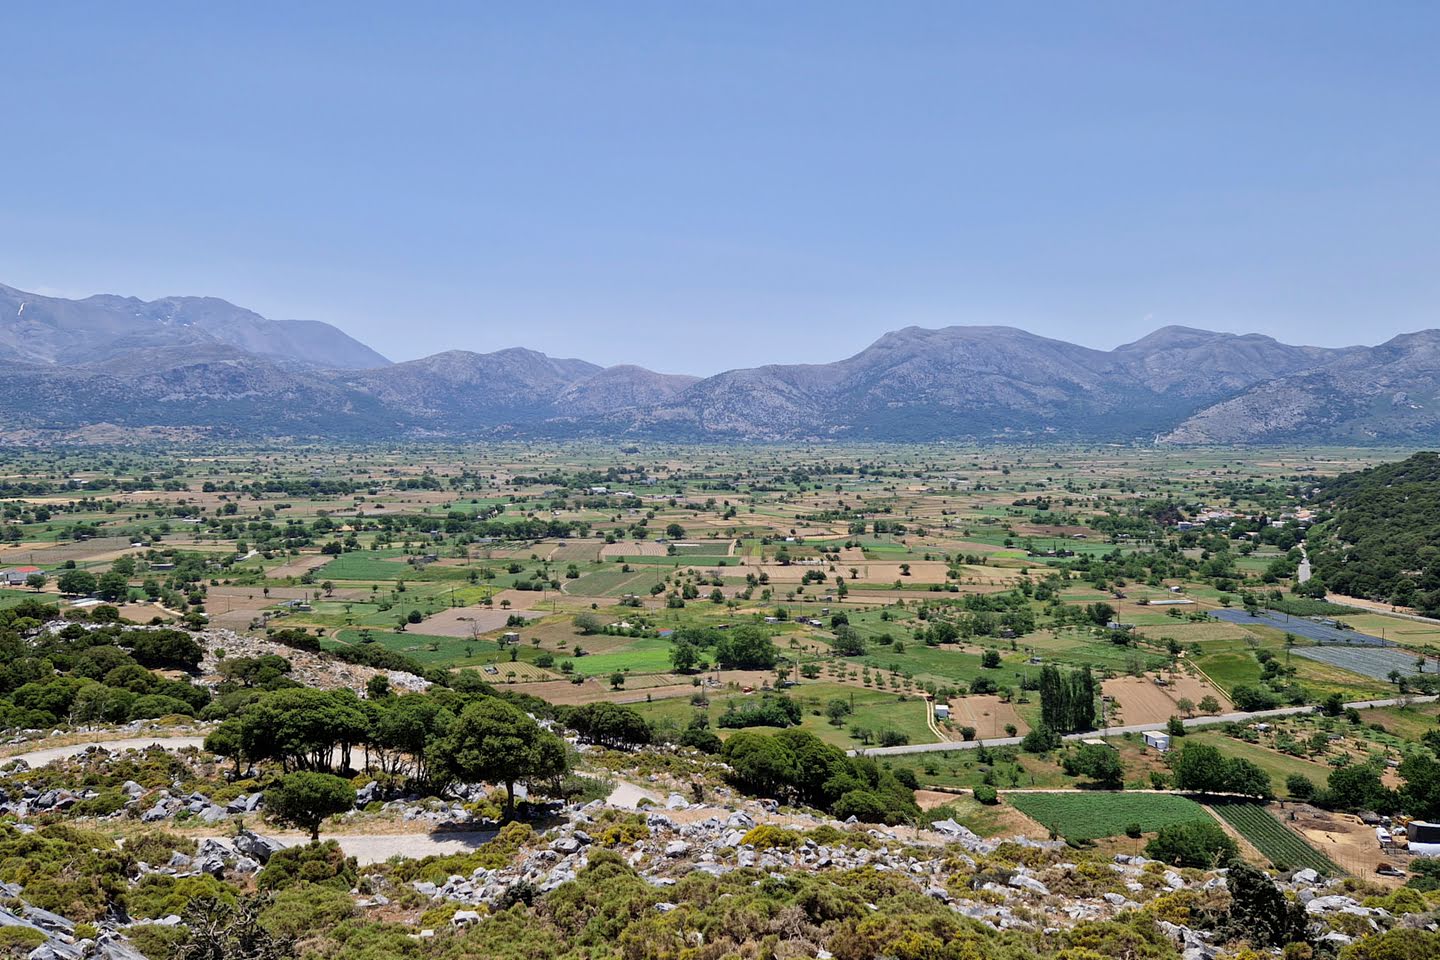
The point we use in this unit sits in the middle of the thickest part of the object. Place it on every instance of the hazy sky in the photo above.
(695, 186)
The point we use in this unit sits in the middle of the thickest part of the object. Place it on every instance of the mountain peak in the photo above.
(104, 327)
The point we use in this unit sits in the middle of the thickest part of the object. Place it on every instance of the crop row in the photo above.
(1282, 846)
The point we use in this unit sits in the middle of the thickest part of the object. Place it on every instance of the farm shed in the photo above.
(942, 711)
(1160, 741)
(16, 576)
(1418, 831)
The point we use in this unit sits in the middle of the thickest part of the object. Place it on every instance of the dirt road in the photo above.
(44, 755)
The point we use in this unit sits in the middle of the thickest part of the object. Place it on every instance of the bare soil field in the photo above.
(77, 550)
(1342, 838)
(577, 551)
(299, 566)
(988, 714)
(1142, 701)
(468, 621)
(638, 687)
(632, 548)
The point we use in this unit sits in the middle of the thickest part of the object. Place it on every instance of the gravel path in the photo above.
(377, 848)
(38, 758)
(628, 795)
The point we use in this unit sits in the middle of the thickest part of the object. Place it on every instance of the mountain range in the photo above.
(207, 367)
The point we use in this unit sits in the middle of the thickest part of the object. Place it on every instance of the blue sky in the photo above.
(700, 186)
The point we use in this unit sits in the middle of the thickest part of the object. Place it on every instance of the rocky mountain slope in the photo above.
(1390, 392)
(199, 363)
(51, 330)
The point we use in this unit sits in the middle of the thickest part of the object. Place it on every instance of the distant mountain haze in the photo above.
(40, 329)
(202, 364)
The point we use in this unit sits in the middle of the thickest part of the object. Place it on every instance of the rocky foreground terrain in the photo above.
(668, 859)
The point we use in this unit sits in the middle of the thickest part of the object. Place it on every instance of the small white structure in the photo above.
(942, 711)
(1160, 741)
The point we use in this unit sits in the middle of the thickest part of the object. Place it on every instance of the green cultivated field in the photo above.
(1091, 816)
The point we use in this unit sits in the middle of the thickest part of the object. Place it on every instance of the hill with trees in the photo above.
(1381, 539)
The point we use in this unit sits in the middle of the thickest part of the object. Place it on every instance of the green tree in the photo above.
(1199, 767)
(304, 728)
(1197, 843)
(1299, 786)
(305, 799)
(495, 742)
(1099, 763)
(112, 587)
(1259, 911)
(609, 725)
(77, 582)
(684, 656)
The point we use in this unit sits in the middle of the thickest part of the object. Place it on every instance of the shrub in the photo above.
(986, 794)
(1399, 944)
(1040, 740)
(154, 941)
(320, 864)
(303, 909)
(19, 941)
(766, 837)
(158, 845)
(158, 895)
(862, 805)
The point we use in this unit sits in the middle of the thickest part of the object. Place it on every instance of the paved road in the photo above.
(1131, 728)
(1302, 573)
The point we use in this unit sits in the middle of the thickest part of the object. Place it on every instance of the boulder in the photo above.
(257, 847)
(1022, 882)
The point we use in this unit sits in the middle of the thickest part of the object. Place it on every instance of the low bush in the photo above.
(318, 864)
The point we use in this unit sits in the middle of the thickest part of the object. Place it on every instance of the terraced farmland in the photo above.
(1285, 848)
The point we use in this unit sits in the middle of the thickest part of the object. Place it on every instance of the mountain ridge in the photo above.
(204, 363)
